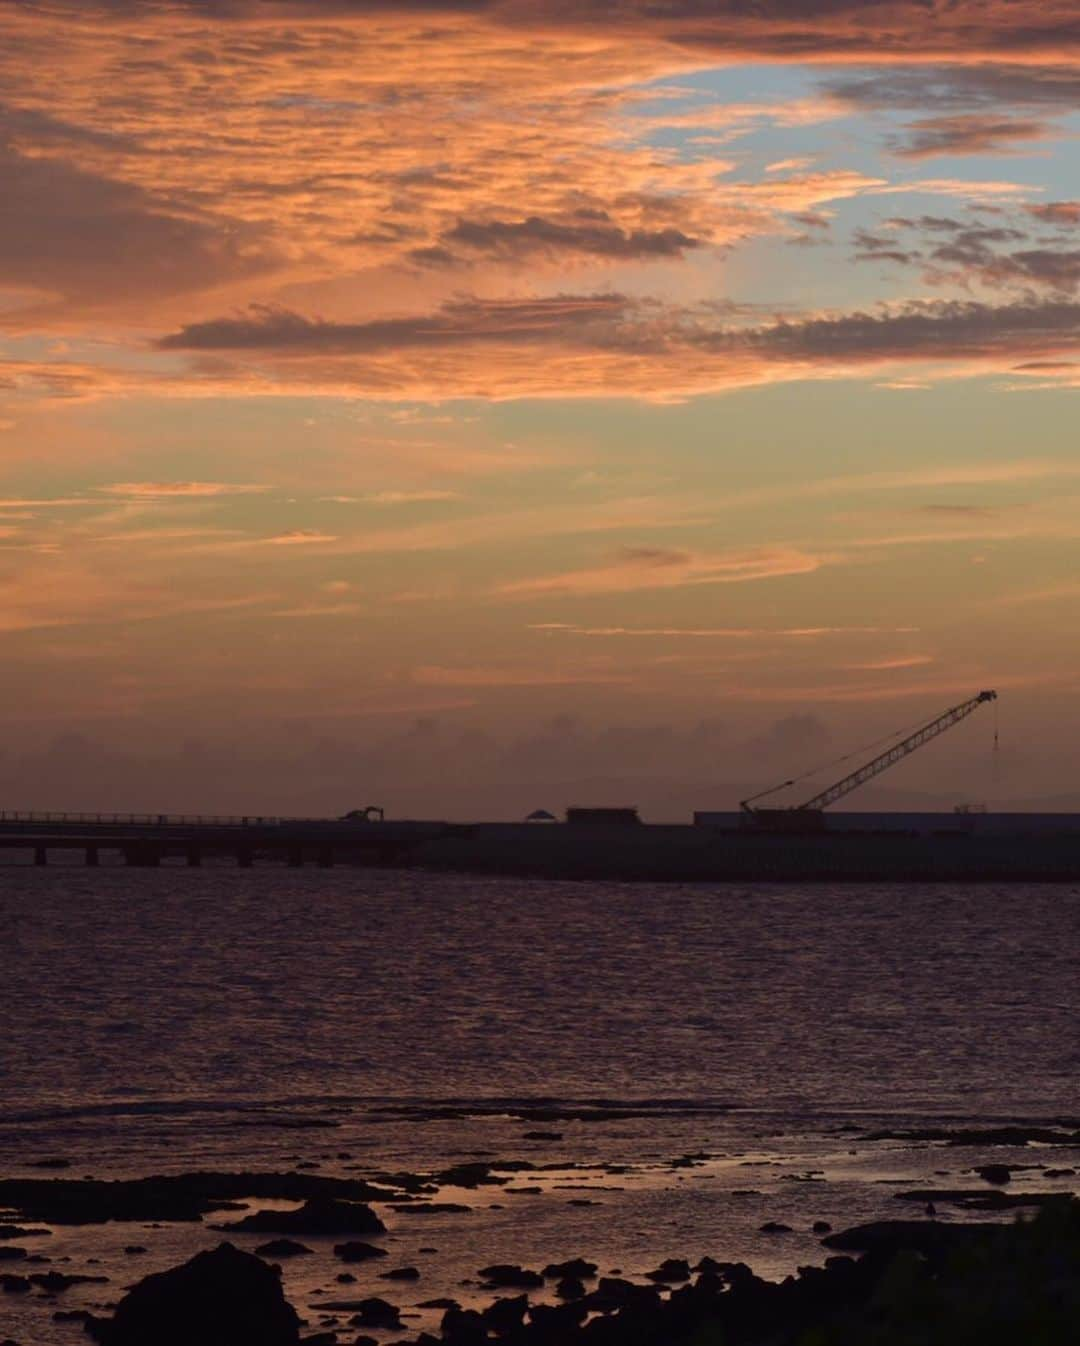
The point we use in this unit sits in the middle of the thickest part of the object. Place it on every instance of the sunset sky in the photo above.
(540, 390)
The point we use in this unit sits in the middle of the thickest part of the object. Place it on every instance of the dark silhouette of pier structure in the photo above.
(150, 839)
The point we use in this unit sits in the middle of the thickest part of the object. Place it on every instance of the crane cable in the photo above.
(854, 752)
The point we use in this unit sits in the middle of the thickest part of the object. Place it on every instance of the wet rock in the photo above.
(998, 1174)
(554, 1322)
(56, 1282)
(182, 1197)
(979, 1198)
(775, 1227)
(365, 1341)
(12, 1254)
(401, 1274)
(709, 1266)
(441, 1303)
(612, 1294)
(218, 1298)
(505, 1316)
(134, 1250)
(570, 1287)
(354, 1251)
(50, 1163)
(14, 1285)
(320, 1339)
(1060, 1172)
(576, 1266)
(14, 1231)
(278, 1248)
(345, 1278)
(463, 1327)
(326, 1216)
(73, 1316)
(506, 1275)
(376, 1312)
(542, 1135)
(669, 1272)
(821, 1227)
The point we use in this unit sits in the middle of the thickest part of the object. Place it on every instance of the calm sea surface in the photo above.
(159, 1021)
(267, 984)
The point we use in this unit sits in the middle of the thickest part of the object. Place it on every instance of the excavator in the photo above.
(810, 815)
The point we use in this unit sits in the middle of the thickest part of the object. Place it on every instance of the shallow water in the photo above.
(165, 1020)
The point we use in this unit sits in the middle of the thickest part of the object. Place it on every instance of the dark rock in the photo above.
(218, 1298)
(542, 1135)
(317, 1216)
(505, 1316)
(376, 1312)
(50, 1163)
(709, 1266)
(979, 1198)
(14, 1231)
(365, 1341)
(401, 1274)
(998, 1174)
(345, 1278)
(674, 1269)
(282, 1248)
(72, 1316)
(570, 1287)
(320, 1339)
(358, 1252)
(554, 1322)
(56, 1282)
(1049, 1173)
(188, 1196)
(613, 1294)
(505, 1275)
(429, 1250)
(775, 1227)
(821, 1227)
(14, 1285)
(134, 1250)
(463, 1327)
(12, 1254)
(441, 1303)
(576, 1266)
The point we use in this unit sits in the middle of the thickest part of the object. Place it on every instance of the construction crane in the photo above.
(801, 814)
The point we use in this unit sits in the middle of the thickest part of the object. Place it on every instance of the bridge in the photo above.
(150, 839)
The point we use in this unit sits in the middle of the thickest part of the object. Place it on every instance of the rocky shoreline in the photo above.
(915, 1285)
(942, 1253)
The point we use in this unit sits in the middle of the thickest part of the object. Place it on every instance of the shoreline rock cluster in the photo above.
(915, 1284)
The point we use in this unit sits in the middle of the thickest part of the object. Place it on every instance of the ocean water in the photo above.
(365, 1021)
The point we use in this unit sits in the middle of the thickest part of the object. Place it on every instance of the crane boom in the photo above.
(884, 760)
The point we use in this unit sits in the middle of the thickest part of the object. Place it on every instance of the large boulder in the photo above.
(219, 1298)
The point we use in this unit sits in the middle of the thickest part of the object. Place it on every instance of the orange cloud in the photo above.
(641, 568)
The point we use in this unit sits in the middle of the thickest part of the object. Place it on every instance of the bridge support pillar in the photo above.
(296, 857)
(326, 858)
(194, 857)
(244, 859)
(41, 855)
(92, 857)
